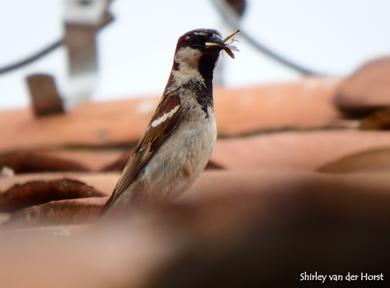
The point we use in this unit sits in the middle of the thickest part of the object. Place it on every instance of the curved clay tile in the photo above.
(36, 192)
(299, 150)
(33, 162)
(372, 160)
(367, 90)
(305, 103)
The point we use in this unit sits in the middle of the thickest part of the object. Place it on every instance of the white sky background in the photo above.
(136, 51)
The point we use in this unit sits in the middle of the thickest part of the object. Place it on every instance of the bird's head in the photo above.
(208, 41)
(198, 50)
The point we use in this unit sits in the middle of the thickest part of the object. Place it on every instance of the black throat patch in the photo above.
(202, 93)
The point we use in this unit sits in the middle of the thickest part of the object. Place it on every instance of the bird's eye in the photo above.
(197, 40)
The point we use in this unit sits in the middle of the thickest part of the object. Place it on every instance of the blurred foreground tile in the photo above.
(212, 183)
(270, 240)
(327, 223)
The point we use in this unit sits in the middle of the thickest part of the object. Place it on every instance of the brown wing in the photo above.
(163, 123)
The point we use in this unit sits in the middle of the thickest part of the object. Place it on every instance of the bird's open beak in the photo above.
(223, 44)
(215, 41)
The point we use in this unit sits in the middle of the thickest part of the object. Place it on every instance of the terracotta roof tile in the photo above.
(32, 161)
(276, 182)
(376, 121)
(29, 162)
(104, 182)
(367, 89)
(212, 184)
(371, 160)
(307, 103)
(31, 193)
(60, 212)
(303, 150)
(304, 104)
(95, 124)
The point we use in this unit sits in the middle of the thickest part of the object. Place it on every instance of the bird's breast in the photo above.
(183, 156)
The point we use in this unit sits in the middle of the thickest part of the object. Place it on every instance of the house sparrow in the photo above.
(180, 137)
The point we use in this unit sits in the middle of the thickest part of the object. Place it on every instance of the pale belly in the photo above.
(176, 166)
